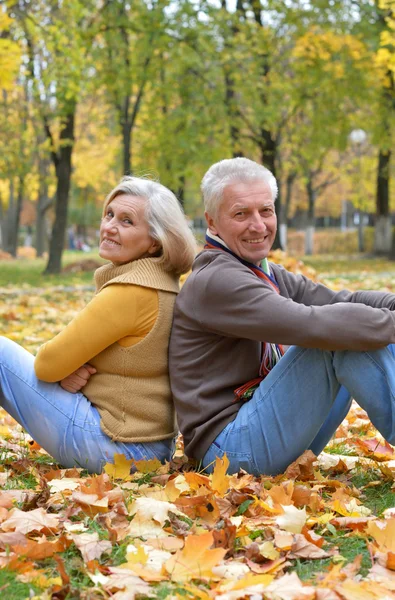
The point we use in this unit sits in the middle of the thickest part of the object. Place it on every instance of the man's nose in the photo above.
(257, 222)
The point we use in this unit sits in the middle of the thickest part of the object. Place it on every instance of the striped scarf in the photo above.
(271, 353)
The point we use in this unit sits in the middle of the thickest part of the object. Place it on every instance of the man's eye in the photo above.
(128, 221)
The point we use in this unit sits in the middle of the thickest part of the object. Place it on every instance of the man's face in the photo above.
(246, 220)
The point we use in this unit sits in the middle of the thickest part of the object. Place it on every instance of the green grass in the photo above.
(12, 589)
(342, 265)
(20, 272)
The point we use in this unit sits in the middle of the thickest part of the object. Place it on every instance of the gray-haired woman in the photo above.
(101, 386)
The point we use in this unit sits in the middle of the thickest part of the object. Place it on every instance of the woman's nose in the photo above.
(110, 225)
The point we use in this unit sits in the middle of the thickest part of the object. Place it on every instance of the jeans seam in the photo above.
(45, 399)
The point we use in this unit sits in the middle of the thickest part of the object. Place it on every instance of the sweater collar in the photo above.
(146, 270)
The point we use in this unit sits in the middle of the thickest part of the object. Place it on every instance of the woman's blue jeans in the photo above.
(300, 404)
(66, 425)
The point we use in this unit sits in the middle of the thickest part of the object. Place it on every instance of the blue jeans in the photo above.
(300, 404)
(66, 425)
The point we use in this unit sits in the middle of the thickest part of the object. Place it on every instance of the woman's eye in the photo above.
(128, 221)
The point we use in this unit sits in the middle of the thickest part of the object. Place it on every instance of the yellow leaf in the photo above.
(121, 467)
(196, 559)
(139, 556)
(384, 536)
(147, 466)
(219, 479)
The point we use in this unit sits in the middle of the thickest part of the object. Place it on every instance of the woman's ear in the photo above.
(155, 247)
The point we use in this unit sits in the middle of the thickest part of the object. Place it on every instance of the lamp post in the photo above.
(357, 138)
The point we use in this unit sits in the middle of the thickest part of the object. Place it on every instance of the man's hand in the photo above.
(74, 382)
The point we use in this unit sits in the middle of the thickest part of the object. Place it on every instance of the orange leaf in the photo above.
(219, 478)
(196, 559)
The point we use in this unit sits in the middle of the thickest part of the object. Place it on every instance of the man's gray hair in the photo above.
(166, 220)
(232, 170)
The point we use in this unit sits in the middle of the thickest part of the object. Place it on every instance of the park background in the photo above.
(95, 89)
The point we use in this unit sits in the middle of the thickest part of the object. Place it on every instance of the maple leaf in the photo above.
(303, 467)
(196, 559)
(120, 469)
(91, 502)
(375, 449)
(302, 548)
(32, 520)
(289, 587)
(383, 534)
(90, 546)
(147, 466)
(219, 479)
(293, 519)
(42, 548)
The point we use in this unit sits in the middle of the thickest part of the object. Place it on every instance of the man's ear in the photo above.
(211, 223)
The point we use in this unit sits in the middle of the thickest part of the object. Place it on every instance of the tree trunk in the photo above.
(15, 219)
(43, 204)
(268, 148)
(126, 146)
(62, 162)
(383, 229)
(309, 235)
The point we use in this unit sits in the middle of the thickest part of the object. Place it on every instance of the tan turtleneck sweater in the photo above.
(124, 333)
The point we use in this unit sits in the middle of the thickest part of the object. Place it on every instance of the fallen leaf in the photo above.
(196, 559)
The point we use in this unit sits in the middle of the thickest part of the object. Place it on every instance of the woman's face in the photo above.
(124, 231)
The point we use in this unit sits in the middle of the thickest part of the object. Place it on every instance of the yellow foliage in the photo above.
(10, 55)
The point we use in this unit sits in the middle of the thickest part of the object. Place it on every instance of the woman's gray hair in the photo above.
(228, 171)
(166, 220)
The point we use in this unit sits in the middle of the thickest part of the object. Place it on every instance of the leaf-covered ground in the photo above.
(324, 530)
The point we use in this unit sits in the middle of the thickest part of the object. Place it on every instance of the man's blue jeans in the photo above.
(300, 404)
(66, 425)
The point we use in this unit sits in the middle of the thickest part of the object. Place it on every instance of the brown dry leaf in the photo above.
(302, 548)
(196, 559)
(303, 467)
(90, 546)
(32, 520)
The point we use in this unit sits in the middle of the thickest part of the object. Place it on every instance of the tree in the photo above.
(57, 60)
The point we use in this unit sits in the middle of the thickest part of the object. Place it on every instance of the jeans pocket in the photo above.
(237, 460)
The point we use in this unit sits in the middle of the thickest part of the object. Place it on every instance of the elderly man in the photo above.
(235, 390)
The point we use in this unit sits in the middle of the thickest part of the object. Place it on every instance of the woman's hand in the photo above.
(74, 382)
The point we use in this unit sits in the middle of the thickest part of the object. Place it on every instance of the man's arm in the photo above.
(232, 301)
(305, 291)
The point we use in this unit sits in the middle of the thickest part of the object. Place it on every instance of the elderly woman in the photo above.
(101, 386)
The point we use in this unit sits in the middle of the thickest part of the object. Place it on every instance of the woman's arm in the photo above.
(116, 312)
